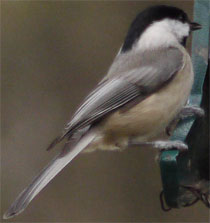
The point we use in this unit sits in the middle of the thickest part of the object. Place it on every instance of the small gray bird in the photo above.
(145, 89)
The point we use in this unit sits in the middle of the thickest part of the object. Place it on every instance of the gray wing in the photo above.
(122, 86)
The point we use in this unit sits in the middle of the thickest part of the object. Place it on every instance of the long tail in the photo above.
(46, 175)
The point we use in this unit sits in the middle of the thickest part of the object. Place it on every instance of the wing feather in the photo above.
(104, 99)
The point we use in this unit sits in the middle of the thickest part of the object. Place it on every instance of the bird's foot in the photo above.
(187, 111)
(162, 145)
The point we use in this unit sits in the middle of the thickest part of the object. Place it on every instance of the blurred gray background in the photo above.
(53, 54)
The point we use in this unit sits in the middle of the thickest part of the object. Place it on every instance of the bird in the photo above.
(146, 87)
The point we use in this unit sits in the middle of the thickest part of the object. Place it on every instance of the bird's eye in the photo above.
(182, 18)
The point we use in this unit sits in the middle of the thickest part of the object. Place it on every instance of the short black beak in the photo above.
(195, 26)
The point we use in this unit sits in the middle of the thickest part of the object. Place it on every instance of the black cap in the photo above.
(150, 15)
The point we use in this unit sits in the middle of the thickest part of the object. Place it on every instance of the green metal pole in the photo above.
(174, 167)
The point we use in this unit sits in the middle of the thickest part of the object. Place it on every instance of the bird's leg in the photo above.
(161, 144)
(169, 129)
(187, 111)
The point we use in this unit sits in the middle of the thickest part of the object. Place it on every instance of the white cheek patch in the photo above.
(163, 33)
(178, 28)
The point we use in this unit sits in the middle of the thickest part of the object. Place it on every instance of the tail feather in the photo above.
(46, 175)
